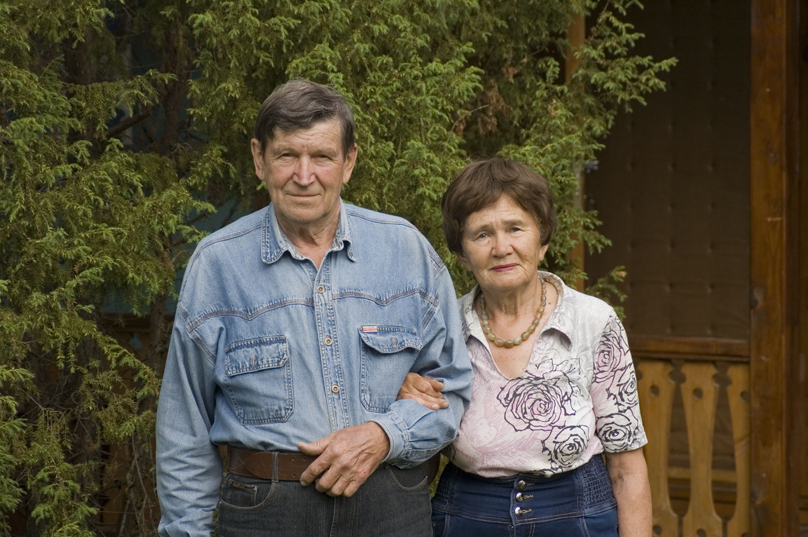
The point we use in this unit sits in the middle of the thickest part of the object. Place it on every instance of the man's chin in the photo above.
(302, 215)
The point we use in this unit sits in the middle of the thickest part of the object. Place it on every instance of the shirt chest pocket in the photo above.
(258, 380)
(388, 353)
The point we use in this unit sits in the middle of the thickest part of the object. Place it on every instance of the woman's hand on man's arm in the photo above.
(423, 390)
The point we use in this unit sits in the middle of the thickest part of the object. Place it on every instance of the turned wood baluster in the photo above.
(656, 390)
(738, 394)
(700, 398)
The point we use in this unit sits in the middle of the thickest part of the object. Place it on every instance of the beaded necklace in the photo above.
(508, 343)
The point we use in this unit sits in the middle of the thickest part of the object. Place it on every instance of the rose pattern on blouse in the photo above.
(576, 397)
(617, 430)
(623, 389)
(611, 351)
(537, 403)
(566, 446)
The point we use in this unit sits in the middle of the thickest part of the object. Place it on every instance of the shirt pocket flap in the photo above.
(389, 339)
(257, 354)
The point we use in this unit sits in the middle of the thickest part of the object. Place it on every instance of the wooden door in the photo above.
(698, 192)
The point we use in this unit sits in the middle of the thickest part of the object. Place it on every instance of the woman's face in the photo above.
(502, 246)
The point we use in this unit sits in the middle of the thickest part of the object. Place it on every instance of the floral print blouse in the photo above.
(576, 398)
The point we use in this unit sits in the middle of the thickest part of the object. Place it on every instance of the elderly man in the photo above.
(295, 328)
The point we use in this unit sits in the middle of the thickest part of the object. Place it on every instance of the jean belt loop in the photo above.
(274, 467)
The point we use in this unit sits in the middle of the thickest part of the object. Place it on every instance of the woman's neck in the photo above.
(514, 303)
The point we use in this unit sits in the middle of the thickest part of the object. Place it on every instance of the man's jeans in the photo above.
(392, 502)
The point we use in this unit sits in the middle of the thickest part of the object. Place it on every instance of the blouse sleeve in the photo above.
(614, 391)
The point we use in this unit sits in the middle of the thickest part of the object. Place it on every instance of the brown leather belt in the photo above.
(286, 466)
(290, 466)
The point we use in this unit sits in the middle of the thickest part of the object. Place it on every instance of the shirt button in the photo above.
(328, 340)
(521, 485)
(320, 289)
(518, 511)
(335, 388)
(519, 497)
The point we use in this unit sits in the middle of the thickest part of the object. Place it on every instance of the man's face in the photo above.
(304, 171)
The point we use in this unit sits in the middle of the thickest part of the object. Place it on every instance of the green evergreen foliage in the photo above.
(125, 122)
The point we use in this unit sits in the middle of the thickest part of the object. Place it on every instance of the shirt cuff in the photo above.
(393, 427)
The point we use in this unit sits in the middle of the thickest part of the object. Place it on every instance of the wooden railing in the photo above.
(675, 378)
(699, 379)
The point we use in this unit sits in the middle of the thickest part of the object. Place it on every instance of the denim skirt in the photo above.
(578, 503)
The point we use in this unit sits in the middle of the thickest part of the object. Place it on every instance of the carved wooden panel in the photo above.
(656, 390)
(738, 392)
(701, 384)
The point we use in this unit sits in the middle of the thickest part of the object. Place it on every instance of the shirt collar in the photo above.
(561, 319)
(275, 242)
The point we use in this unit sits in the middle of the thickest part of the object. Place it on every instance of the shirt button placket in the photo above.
(321, 302)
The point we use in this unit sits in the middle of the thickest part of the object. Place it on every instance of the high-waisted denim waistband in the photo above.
(524, 499)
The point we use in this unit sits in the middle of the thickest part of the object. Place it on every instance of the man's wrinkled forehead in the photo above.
(336, 128)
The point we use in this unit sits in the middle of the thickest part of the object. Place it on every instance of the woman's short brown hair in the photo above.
(482, 183)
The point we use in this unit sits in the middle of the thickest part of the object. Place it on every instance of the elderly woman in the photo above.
(554, 386)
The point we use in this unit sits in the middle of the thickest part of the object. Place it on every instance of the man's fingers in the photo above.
(312, 472)
(313, 448)
(326, 482)
(333, 486)
(351, 489)
(346, 456)
(319, 465)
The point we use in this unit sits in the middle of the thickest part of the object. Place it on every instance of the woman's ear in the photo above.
(543, 252)
(464, 260)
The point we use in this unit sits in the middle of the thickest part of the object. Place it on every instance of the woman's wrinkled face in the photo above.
(502, 246)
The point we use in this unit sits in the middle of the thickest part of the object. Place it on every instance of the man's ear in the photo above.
(258, 158)
(350, 161)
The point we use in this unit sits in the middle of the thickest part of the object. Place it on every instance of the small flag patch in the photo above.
(370, 329)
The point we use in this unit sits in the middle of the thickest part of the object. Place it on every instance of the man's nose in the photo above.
(304, 172)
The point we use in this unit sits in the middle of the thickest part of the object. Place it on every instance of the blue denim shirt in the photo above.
(268, 351)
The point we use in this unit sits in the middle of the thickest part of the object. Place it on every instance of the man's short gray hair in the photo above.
(298, 105)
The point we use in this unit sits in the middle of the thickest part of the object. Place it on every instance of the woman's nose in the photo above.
(501, 246)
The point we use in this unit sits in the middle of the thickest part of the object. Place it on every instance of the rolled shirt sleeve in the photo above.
(417, 433)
